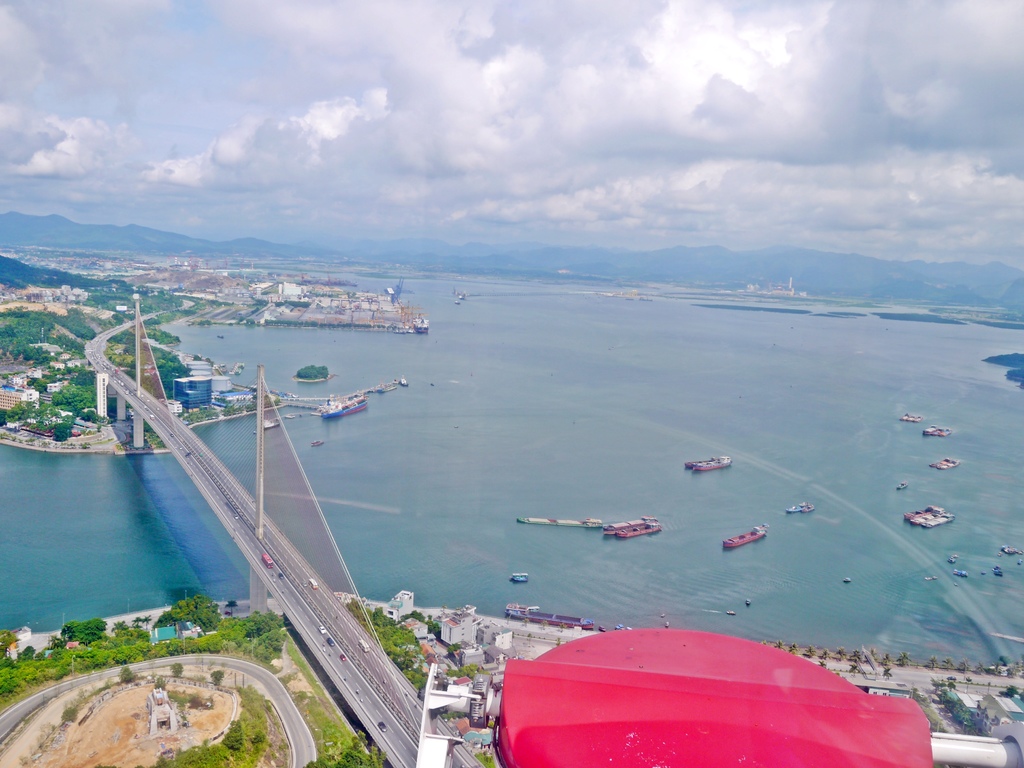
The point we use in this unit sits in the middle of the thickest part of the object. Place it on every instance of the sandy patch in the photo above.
(54, 309)
(115, 731)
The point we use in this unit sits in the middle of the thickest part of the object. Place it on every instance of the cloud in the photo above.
(890, 128)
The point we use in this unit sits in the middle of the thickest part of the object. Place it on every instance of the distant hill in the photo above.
(14, 274)
(816, 272)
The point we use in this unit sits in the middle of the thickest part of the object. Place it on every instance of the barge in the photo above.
(527, 613)
(612, 529)
(758, 532)
(589, 522)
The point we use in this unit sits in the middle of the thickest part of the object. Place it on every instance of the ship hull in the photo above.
(343, 411)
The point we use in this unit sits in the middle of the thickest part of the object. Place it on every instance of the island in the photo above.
(312, 373)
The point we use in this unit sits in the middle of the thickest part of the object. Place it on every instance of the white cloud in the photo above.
(77, 148)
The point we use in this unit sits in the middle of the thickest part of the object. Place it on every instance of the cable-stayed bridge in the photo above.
(272, 510)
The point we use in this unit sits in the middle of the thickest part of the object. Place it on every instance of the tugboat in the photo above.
(902, 485)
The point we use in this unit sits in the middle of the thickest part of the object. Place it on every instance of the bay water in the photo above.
(552, 401)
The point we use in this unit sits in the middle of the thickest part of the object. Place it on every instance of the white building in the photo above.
(400, 605)
(56, 386)
(174, 406)
(459, 626)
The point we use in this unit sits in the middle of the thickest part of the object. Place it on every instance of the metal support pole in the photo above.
(261, 396)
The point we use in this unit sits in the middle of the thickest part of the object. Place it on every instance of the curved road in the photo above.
(301, 746)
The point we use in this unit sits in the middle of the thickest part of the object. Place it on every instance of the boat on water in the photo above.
(929, 517)
(648, 525)
(961, 574)
(692, 464)
(930, 578)
(946, 463)
(912, 418)
(934, 431)
(758, 532)
(1006, 548)
(589, 522)
(402, 382)
(997, 571)
(847, 580)
(901, 486)
(719, 462)
(335, 407)
(519, 578)
(530, 613)
(381, 388)
(611, 529)
(420, 324)
(316, 443)
(952, 558)
(730, 613)
(219, 336)
(802, 507)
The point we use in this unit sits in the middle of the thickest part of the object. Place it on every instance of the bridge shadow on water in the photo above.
(216, 570)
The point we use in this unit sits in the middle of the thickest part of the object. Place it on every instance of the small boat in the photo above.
(930, 578)
(847, 580)
(402, 382)
(620, 626)
(910, 417)
(747, 601)
(219, 336)
(952, 558)
(730, 613)
(934, 431)
(519, 578)
(997, 571)
(602, 628)
(666, 625)
(946, 463)
(961, 574)
(901, 486)
(315, 443)
(802, 507)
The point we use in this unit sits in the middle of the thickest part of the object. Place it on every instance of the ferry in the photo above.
(946, 463)
(519, 578)
(934, 431)
(719, 462)
(910, 417)
(802, 507)
(335, 407)
(612, 529)
(901, 486)
(589, 522)
(758, 532)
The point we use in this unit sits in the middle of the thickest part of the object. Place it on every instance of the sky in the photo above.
(891, 128)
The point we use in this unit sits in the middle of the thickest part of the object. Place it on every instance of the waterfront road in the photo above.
(301, 746)
(371, 685)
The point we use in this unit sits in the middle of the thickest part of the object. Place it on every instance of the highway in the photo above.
(375, 690)
(301, 746)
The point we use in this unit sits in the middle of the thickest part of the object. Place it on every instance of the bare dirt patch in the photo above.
(117, 732)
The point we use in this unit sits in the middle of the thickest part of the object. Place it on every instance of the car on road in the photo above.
(323, 630)
(280, 574)
(330, 641)
(343, 657)
(382, 725)
(951, 677)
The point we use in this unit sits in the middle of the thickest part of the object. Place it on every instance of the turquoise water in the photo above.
(538, 401)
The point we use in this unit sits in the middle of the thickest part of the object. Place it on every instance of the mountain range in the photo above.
(816, 272)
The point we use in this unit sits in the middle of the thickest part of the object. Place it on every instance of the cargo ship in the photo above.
(934, 431)
(719, 462)
(420, 325)
(929, 517)
(910, 417)
(335, 407)
(590, 522)
(758, 532)
(648, 525)
(612, 529)
(692, 464)
(527, 613)
(946, 463)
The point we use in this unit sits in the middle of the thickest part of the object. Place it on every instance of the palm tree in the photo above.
(853, 669)
(903, 659)
(120, 626)
(948, 663)
(886, 672)
(779, 644)
(840, 653)
(811, 652)
(933, 662)
(855, 655)
(964, 664)
(794, 649)
(887, 660)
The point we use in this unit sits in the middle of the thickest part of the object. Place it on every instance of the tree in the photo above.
(232, 604)
(199, 609)
(126, 675)
(933, 662)
(160, 683)
(7, 639)
(61, 431)
(948, 663)
(177, 669)
(1011, 691)
(217, 676)
(841, 653)
(887, 660)
(120, 626)
(234, 739)
(85, 632)
(903, 659)
(964, 665)
(886, 672)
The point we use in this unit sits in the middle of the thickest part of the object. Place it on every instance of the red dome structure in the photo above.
(661, 698)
